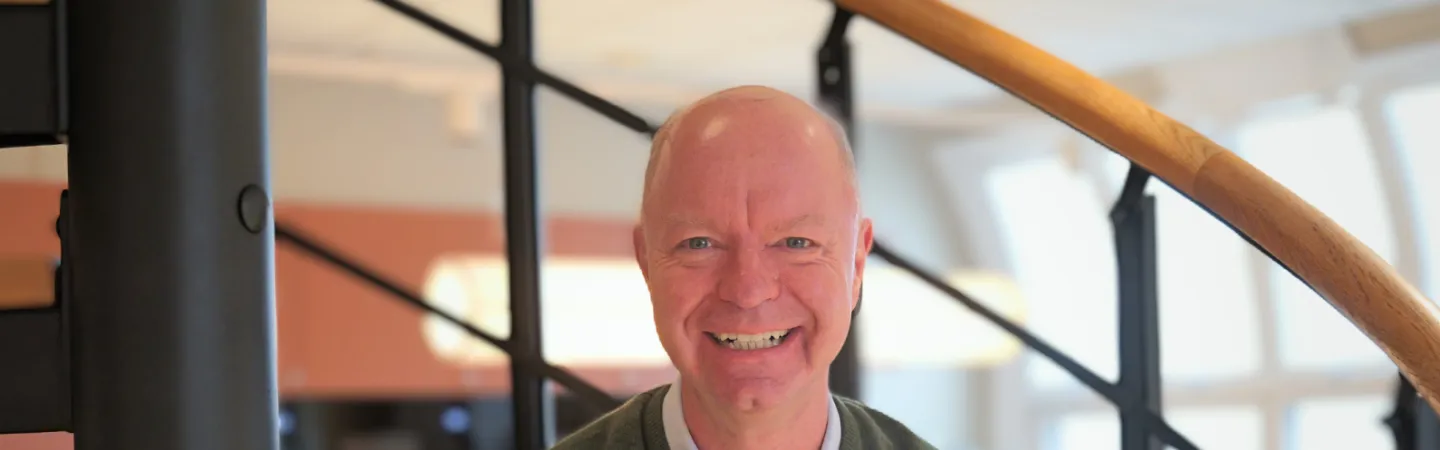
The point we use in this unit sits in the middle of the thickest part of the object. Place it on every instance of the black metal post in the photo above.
(1401, 420)
(171, 247)
(1427, 425)
(1133, 219)
(533, 403)
(837, 94)
(1412, 422)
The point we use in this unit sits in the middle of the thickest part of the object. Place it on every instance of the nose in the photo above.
(748, 280)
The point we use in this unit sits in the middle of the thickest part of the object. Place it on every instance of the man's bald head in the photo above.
(708, 116)
(753, 245)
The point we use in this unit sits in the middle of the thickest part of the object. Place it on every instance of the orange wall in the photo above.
(338, 337)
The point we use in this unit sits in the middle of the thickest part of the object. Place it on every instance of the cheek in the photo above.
(677, 292)
(824, 291)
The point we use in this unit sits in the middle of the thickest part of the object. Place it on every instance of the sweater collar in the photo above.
(678, 434)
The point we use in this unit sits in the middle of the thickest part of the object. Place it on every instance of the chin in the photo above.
(758, 398)
(755, 379)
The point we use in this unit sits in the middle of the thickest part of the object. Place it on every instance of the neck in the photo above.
(799, 424)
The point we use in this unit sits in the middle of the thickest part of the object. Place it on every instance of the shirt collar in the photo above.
(678, 434)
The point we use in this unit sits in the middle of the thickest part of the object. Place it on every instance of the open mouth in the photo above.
(759, 341)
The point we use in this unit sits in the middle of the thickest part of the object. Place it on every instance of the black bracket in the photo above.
(35, 380)
(1133, 219)
(32, 84)
(1413, 423)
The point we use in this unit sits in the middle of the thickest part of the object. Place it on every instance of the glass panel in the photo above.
(1324, 157)
(1059, 244)
(1340, 423)
(1412, 114)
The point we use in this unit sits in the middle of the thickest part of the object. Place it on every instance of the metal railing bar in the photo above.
(596, 103)
(839, 26)
(1080, 372)
(525, 69)
(582, 389)
(444, 28)
(1108, 390)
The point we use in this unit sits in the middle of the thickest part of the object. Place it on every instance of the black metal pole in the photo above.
(171, 239)
(1133, 219)
(837, 94)
(1427, 425)
(533, 406)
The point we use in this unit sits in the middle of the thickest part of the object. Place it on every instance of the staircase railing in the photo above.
(1355, 280)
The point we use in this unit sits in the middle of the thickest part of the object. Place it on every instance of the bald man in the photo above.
(752, 242)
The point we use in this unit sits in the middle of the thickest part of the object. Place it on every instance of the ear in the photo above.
(641, 256)
(865, 239)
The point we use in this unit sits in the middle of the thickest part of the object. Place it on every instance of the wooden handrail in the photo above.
(27, 283)
(1356, 281)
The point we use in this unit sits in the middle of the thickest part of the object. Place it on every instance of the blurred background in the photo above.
(386, 143)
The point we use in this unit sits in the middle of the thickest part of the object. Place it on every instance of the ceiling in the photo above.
(703, 45)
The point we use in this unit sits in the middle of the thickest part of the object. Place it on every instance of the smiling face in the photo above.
(753, 246)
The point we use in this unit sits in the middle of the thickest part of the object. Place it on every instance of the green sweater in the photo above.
(639, 425)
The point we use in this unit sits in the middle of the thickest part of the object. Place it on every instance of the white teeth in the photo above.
(751, 341)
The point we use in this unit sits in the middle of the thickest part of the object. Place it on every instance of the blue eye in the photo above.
(798, 243)
(698, 243)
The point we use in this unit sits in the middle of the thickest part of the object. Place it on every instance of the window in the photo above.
(1412, 115)
(1060, 248)
(1204, 286)
(1061, 245)
(1324, 157)
(1251, 357)
(1340, 424)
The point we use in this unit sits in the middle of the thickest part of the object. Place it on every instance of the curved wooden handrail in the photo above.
(27, 283)
(1356, 281)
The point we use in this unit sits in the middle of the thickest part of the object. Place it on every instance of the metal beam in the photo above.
(171, 245)
(533, 405)
(1133, 219)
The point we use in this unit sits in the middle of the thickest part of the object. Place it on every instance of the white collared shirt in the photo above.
(678, 434)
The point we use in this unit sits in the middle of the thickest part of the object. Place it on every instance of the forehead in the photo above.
(754, 160)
